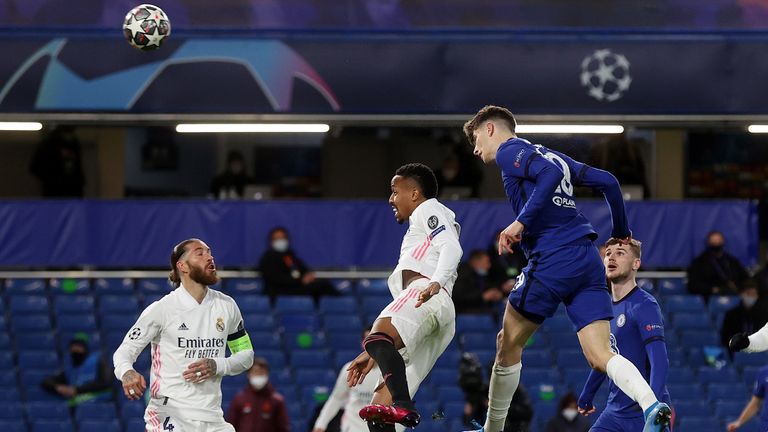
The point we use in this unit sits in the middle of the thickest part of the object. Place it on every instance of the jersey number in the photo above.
(566, 187)
(167, 425)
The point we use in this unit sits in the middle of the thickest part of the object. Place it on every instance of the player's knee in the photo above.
(598, 360)
(375, 341)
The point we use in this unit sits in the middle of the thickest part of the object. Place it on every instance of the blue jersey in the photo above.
(539, 183)
(761, 382)
(637, 323)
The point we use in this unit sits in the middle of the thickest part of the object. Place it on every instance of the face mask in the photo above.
(748, 301)
(482, 272)
(77, 358)
(280, 245)
(716, 249)
(570, 413)
(259, 381)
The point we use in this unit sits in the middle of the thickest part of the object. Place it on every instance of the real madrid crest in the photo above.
(621, 320)
(220, 324)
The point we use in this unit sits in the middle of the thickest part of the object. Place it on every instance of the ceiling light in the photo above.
(252, 128)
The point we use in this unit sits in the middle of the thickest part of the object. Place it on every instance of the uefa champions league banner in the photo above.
(333, 74)
(338, 234)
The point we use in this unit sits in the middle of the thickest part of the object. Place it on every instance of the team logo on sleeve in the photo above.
(519, 158)
(220, 324)
(134, 334)
(432, 222)
(649, 327)
(614, 344)
(621, 320)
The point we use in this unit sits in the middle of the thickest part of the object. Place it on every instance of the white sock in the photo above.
(504, 381)
(758, 341)
(626, 376)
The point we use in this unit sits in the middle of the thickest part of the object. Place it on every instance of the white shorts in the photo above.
(163, 418)
(426, 331)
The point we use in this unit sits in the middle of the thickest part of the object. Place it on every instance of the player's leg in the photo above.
(383, 344)
(505, 375)
(756, 342)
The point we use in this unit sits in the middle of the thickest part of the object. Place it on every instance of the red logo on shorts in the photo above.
(648, 327)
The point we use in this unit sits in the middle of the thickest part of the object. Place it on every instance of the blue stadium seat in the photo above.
(729, 409)
(690, 321)
(2, 317)
(118, 304)
(684, 391)
(536, 375)
(475, 323)
(303, 340)
(113, 339)
(100, 426)
(699, 424)
(565, 339)
(351, 321)
(259, 321)
(96, 411)
(724, 391)
(32, 378)
(253, 304)
(24, 286)
(559, 323)
(367, 287)
(681, 375)
(539, 340)
(449, 393)
(31, 323)
(37, 394)
(575, 378)
(444, 377)
(671, 286)
(52, 426)
(281, 376)
(338, 305)
(73, 304)
(153, 286)
(344, 355)
(453, 409)
(114, 286)
(676, 354)
(478, 341)
(26, 304)
(315, 376)
(135, 425)
(36, 340)
(311, 358)
(646, 284)
(294, 304)
(6, 360)
(691, 407)
(741, 359)
(296, 321)
(486, 357)
(299, 425)
(265, 340)
(708, 375)
(47, 410)
(343, 286)
(684, 303)
(77, 323)
(450, 359)
(571, 358)
(10, 410)
(118, 322)
(39, 359)
(148, 299)
(698, 338)
(132, 410)
(374, 304)
(344, 340)
(13, 425)
(243, 286)
(275, 358)
(721, 304)
(70, 286)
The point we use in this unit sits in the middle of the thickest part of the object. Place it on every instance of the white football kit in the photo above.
(431, 248)
(180, 332)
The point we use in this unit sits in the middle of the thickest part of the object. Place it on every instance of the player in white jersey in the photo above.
(413, 330)
(189, 330)
(756, 342)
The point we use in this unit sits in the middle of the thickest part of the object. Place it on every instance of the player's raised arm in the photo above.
(240, 346)
(591, 386)
(607, 184)
(146, 329)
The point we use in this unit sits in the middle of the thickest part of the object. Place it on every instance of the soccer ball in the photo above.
(605, 74)
(146, 27)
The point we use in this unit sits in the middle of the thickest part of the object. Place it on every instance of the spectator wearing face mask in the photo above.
(715, 271)
(567, 418)
(86, 376)
(284, 273)
(474, 290)
(748, 317)
(258, 407)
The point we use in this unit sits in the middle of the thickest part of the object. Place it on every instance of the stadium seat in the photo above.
(73, 304)
(298, 340)
(114, 286)
(135, 425)
(77, 323)
(259, 321)
(453, 409)
(646, 284)
(27, 304)
(148, 299)
(676, 354)
(294, 304)
(10, 410)
(243, 286)
(565, 340)
(275, 358)
(31, 323)
(315, 376)
(36, 340)
(536, 375)
(24, 286)
(444, 377)
(265, 340)
(486, 357)
(132, 410)
(118, 322)
(698, 338)
(13, 425)
(694, 406)
(374, 304)
(344, 340)
(681, 375)
(559, 323)
(366, 287)
(39, 359)
(449, 393)
(69, 286)
(103, 425)
(690, 321)
(449, 359)
(571, 358)
(6, 360)
(32, 378)
(729, 409)
(343, 286)
(741, 359)
(299, 425)
(338, 305)
(699, 424)
(709, 375)
(52, 426)
(475, 323)
(575, 378)
(724, 391)
(96, 411)
(343, 356)
(478, 341)
(280, 376)
(685, 391)
(253, 304)
(721, 304)
(153, 286)
(684, 303)
(118, 304)
(296, 322)
(333, 323)
(48, 410)
(311, 358)
(670, 286)
(3, 325)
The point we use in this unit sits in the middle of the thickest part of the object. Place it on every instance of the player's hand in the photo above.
(624, 240)
(738, 342)
(585, 412)
(133, 385)
(359, 368)
(200, 370)
(732, 426)
(318, 430)
(66, 391)
(511, 235)
(427, 293)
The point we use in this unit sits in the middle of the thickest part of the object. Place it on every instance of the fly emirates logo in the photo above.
(200, 348)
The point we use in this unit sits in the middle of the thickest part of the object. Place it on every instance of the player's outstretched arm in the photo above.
(756, 342)
(359, 368)
(753, 406)
(591, 386)
(607, 184)
(335, 402)
(146, 328)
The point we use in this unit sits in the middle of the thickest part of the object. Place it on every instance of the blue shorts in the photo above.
(573, 275)
(611, 423)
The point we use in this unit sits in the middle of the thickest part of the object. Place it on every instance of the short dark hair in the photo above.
(636, 246)
(477, 253)
(260, 362)
(278, 229)
(422, 175)
(176, 254)
(566, 400)
(489, 112)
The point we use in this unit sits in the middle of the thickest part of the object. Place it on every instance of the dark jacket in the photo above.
(520, 412)
(259, 411)
(711, 274)
(468, 291)
(92, 380)
(282, 272)
(558, 423)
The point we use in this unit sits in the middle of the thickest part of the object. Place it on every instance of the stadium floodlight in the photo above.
(568, 129)
(758, 128)
(20, 126)
(252, 128)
